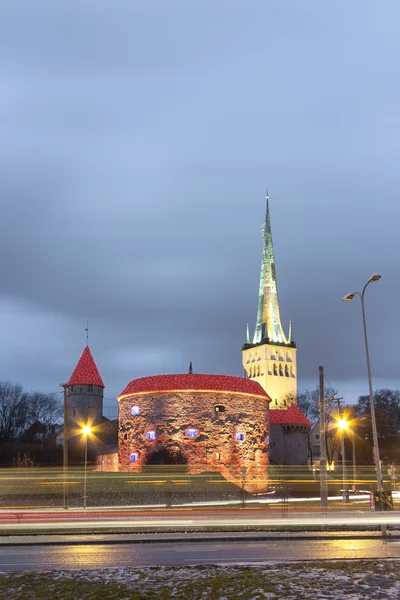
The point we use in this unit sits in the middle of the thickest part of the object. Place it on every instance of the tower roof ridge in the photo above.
(86, 371)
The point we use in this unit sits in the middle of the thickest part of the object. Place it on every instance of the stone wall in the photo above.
(215, 448)
(84, 406)
(289, 444)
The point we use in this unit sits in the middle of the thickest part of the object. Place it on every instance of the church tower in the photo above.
(270, 358)
(84, 395)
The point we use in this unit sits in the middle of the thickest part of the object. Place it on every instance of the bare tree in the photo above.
(46, 409)
(19, 410)
(14, 410)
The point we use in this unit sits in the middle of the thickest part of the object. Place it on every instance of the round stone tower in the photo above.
(84, 395)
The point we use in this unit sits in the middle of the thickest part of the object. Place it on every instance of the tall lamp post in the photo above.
(348, 298)
(86, 431)
(343, 426)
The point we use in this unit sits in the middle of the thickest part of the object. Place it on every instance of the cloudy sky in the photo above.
(138, 139)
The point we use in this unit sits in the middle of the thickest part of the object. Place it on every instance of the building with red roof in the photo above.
(84, 391)
(208, 422)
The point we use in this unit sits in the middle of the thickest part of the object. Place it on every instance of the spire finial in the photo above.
(190, 368)
(290, 331)
(247, 334)
(87, 333)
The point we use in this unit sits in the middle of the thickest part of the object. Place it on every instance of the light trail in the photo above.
(157, 521)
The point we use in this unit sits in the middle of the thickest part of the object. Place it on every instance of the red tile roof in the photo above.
(197, 382)
(86, 371)
(288, 416)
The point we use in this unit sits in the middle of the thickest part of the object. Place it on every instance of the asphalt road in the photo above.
(40, 558)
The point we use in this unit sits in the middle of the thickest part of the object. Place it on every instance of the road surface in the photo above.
(34, 558)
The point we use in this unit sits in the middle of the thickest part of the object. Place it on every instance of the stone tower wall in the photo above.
(84, 406)
(215, 448)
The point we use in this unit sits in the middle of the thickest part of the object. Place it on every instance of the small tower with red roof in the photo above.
(84, 394)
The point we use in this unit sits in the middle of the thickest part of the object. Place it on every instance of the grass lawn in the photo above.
(353, 580)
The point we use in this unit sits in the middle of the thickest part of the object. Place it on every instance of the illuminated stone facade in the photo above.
(210, 422)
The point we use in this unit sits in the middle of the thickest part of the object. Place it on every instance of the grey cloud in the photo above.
(137, 145)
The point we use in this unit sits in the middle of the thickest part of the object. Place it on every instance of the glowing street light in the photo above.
(86, 431)
(343, 425)
(348, 298)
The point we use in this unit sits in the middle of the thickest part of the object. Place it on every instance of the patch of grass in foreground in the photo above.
(299, 581)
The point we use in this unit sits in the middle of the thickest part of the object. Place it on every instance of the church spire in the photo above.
(268, 316)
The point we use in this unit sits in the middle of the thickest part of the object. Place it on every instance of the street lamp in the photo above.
(374, 277)
(86, 431)
(343, 426)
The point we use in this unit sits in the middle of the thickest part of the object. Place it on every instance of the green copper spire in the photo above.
(247, 334)
(268, 317)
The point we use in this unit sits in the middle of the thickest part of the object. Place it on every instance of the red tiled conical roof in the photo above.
(194, 382)
(86, 371)
(288, 416)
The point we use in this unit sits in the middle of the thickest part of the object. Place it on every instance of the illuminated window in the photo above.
(133, 457)
(287, 371)
(219, 408)
(240, 437)
(280, 371)
(90, 388)
(217, 455)
(267, 440)
(191, 432)
(135, 410)
(151, 435)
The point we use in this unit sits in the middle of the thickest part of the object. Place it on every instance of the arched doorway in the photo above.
(166, 455)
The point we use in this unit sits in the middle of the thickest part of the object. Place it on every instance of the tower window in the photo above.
(275, 369)
(72, 388)
(286, 371)
(267, 440)
(133, 457)
(217, 455)
(125, 436)
(90, 388)
(240, 437)
(135, 410)
(191, 432)
(219, 408)
(151, 435)
(81, 390)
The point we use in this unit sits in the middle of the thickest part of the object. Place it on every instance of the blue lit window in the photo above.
(133, 457)
(191, 432)
(135, 410)
(151, 435)
(240, 437)
(267, 440)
